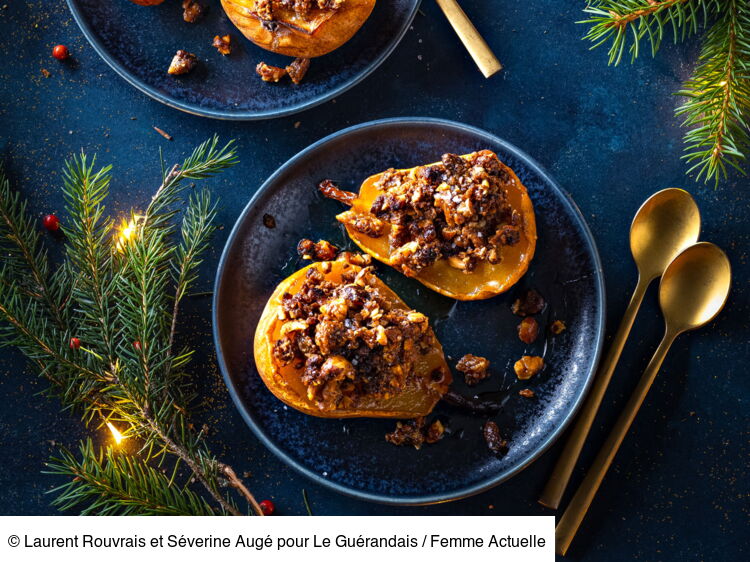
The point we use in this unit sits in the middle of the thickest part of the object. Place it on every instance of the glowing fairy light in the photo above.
(127, 232)
(118, 437)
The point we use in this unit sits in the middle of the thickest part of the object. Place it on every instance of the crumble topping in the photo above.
(348, 340)
(322, 250)
(301, 8)
(455, 210)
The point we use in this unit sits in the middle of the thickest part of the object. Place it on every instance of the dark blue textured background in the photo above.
(678, 489)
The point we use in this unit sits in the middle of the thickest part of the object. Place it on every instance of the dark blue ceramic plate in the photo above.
(351, 456)
(138, 42)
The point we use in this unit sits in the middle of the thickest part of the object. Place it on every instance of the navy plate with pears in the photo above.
(352, 456)
(138, 42)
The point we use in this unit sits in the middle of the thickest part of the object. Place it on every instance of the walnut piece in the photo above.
(415, 433)
(528, 330)
(322, 250)
(297, 69)
(223, 44)
(492, 437)
(407, 433)
(530, 303)
(557, 327)
(528, 366)
(192, 10)
(269, 73)
(474, 368)
(182, 63)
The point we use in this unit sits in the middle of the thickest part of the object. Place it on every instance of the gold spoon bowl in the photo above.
(666, 224)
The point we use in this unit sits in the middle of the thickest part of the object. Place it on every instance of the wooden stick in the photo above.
(483, 56)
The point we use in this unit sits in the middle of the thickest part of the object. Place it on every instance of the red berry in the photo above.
(51, 222)
(137, 345)
(75, 343)
(60, 52)
(267, 507)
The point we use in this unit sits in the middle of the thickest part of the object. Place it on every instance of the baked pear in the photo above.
(298, 28)
(464, 226)
(334, 341)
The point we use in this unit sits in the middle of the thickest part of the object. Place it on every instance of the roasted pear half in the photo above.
(334, 341)
(464, 226)
(281, 27)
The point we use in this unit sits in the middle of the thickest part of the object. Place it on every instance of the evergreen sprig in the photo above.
(718, 93)
(118, 294)
(109, 482)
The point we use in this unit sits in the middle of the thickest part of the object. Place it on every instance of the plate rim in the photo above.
(226, 115)
(466, 491)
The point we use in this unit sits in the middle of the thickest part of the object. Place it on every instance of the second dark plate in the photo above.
(138, 42)
(351, 456)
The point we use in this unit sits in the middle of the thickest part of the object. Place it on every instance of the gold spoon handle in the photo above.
(558, 481)
(570, 521)
(477, 47)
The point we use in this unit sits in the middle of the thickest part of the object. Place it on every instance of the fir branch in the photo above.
(197, 228)
(24, 254)
(718, 92)
(616, 20)
(88, 232)
(719, 97)
(114, 483)
(140, 387)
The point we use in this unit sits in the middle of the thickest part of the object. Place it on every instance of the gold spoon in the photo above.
(483, 56)
(667, 223)
(693, 290)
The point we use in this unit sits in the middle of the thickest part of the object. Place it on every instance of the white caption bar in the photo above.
(319, 539)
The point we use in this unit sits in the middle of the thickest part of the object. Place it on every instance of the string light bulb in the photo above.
(118, 437)
(127, 232)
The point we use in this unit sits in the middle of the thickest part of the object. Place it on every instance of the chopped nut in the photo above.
(407, 433)
(456, 210)
(192, 10)
(182, 63)
(557, 327)
(269, 221)
(297, 69)
(474, 368)
(526, 393)
(322, 250)
(530, 303)
(528, 330)
(351, 345)
(363, 260)
(270, 73)
(435, 432)
(223, 44)
(492, 437)
(528, 366)
(415, 433)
